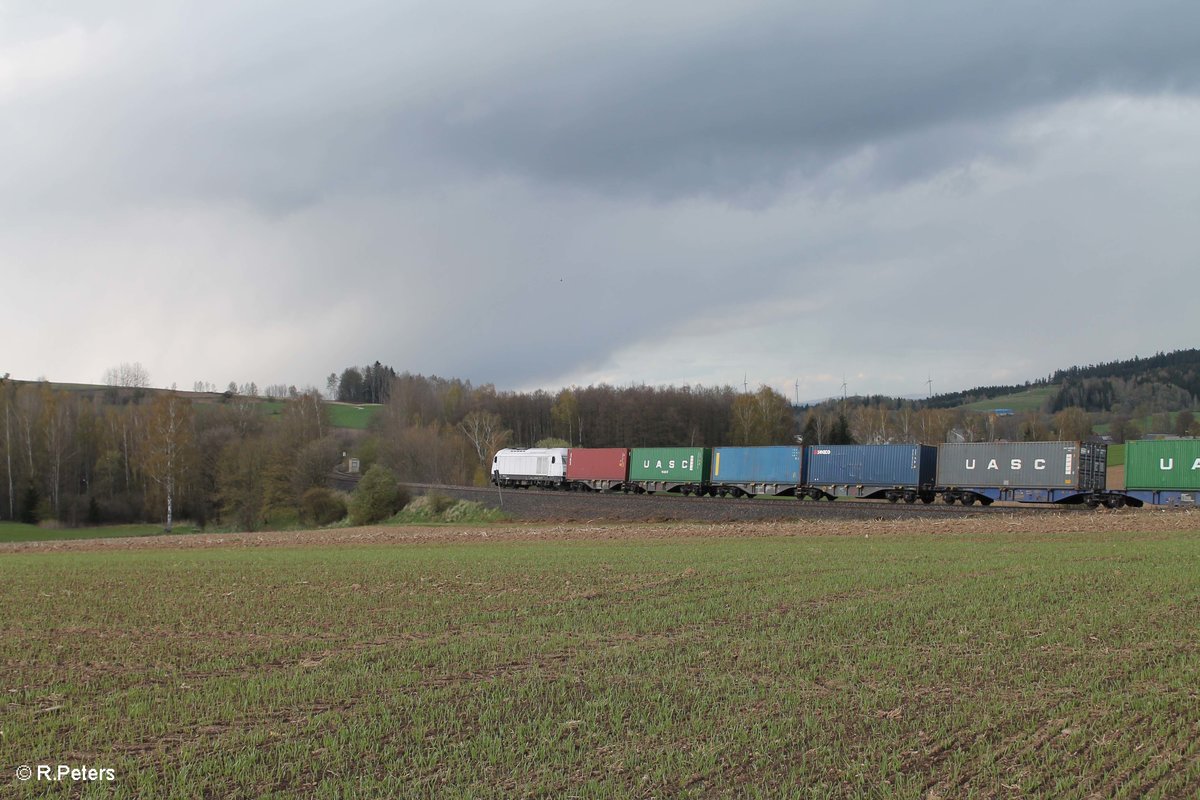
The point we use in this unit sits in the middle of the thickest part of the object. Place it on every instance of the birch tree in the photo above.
(167, 447)
(486, 434)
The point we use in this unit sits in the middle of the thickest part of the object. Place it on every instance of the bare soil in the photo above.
(965, 523)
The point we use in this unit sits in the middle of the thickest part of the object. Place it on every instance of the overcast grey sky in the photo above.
(539, 194)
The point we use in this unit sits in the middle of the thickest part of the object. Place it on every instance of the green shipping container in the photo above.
(1164, 464)
(670, 464)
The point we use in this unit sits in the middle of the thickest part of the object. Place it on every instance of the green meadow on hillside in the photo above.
(1028, 400)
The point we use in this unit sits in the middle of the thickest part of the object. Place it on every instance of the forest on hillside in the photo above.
(1137, 387)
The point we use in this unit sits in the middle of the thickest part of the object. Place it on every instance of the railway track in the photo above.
(533, 504)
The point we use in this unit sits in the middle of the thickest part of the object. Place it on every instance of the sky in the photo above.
(542, 194)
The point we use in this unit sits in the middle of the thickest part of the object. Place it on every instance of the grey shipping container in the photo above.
(1069, 466)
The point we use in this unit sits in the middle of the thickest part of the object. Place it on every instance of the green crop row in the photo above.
(907, 666)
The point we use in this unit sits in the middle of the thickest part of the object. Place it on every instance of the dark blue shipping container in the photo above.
(894, 471)
(757, 470)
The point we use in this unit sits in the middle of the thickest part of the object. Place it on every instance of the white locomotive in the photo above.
(534, 466)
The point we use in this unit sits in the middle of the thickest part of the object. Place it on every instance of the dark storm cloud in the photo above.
(289, 103)
(775, 93)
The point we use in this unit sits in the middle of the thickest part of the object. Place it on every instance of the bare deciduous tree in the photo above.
(762, 418)
(1072, 424)
(128, 375)
(486, 434)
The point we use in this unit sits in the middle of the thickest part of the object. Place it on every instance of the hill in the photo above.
(350, 416)
(1165, 382)
(1033, 399)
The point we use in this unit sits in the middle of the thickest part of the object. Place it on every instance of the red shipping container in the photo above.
(597, 463)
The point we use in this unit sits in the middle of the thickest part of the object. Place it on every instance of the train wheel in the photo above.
(948, 499)
(927, 499)
(891, 498)
(910, 497)
(968, 500)
(1115, 502)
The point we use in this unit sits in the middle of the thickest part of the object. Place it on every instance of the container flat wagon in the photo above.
(599, 469)
(535, 466)
(890, 472)
(683, 470)
(1024, 472)
(750, 471)
(1163, 473)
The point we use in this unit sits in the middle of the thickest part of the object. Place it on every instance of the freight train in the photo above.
(1157, 472)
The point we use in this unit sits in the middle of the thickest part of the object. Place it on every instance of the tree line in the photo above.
(94, 457)
(126, 453)
(446, 430)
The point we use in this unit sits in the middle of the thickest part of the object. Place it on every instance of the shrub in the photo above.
(434, 507)
(469, 511)
(438, 502)
(321, 506)
(377, 497)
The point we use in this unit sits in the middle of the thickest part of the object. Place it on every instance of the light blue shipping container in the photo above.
(756, 465)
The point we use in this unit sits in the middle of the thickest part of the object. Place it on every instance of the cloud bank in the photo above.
(552, 194)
